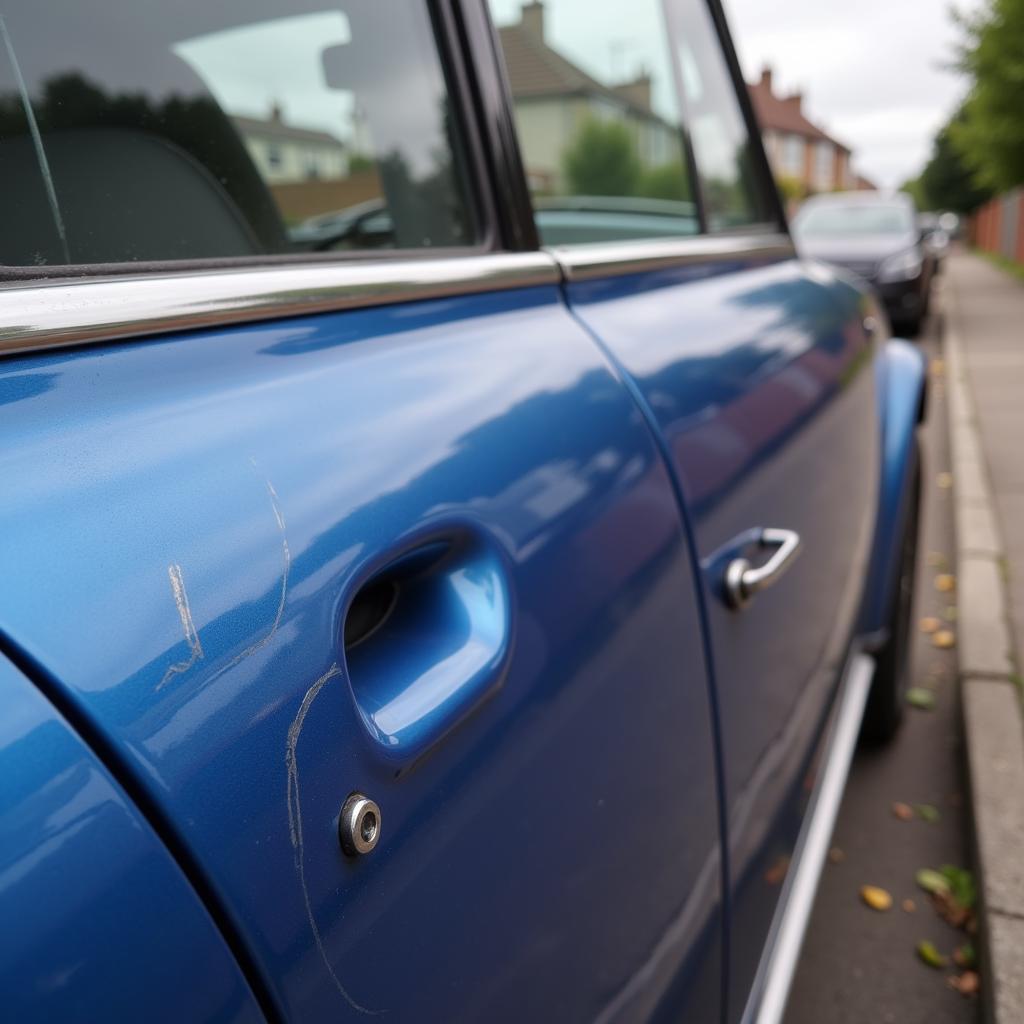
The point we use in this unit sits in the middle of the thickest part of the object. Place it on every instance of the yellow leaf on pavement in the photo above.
(944, 638)
(944, 480)
(929, 624)
(875, 898)
(945, 582)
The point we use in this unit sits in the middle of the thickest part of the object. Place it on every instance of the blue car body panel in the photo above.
(193, 519)
(757, 377)
(99, 923)
(901, 381)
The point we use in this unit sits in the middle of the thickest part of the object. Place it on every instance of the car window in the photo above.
(837, 220)
(722, 147)
(597, 112)
(197, 129)
(597, 90)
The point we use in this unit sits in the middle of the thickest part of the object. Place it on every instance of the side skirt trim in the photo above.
(767, 1001)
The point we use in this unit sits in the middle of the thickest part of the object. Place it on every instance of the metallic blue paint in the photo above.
(901, 382)
(757, 377)
(192, 520)
(99, 924)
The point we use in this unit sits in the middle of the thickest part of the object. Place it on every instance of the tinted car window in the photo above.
(596, 106)
(154, 131)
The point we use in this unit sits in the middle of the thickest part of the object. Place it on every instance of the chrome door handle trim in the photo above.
(742, 581)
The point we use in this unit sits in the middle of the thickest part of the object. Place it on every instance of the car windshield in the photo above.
(836, 220)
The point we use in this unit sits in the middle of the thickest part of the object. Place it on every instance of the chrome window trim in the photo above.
(590, 260)
(60, 312)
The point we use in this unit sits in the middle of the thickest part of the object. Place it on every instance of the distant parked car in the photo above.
(878, 237)
(934, 236)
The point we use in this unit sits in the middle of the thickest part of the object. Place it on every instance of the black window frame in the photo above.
(469, 150)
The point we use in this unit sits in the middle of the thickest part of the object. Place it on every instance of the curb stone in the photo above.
(993, 716)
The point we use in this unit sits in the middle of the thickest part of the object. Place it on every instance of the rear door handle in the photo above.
(743, 581)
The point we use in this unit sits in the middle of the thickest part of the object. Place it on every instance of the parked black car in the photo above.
(878, 237)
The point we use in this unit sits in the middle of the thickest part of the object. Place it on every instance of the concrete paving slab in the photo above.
(1003, 979)
(995, 753)
(985, 644)
(977, 533)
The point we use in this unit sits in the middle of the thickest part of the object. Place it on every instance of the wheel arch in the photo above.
(902, 384)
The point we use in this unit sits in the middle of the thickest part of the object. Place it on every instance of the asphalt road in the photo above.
(860, 965)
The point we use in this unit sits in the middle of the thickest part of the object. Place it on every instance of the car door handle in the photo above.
(743, 581)
(427, 639)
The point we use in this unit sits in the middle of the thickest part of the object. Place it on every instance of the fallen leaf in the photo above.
(836, 856)
(944, 480)
(903, 811)
(944, 639)
(961, 884)
(965, 956)
(967, 984)
(945, 582)
(929, 624)
(875, 898)
(932, 881)
(938, 367)
(930, 955)
(950, 613)
(777, 872)
(909, 906)
(920, 698)
(927, 812)
(937, 560)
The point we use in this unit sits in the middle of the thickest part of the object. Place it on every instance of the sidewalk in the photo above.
(985, 373)
(987, 310)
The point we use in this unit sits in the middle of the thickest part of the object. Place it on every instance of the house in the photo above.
(285, 153)
(553, 98)
(797, 148)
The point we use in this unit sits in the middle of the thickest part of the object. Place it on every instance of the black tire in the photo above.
(893, 662)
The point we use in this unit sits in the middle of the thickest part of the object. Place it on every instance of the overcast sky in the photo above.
(871, 70)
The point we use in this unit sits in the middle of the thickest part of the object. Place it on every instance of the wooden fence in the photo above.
(998, 226)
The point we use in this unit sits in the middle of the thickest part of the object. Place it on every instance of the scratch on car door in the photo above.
(286, 557)
(191, 633)
(295, 824)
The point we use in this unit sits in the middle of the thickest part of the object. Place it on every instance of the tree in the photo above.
(990, 135)
(666, 181)
(602, 160)
(948, 182)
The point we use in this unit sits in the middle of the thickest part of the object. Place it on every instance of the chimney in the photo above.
(276, 112)
(637, 91)
(795, 99)
(531, 17)
(766, 78)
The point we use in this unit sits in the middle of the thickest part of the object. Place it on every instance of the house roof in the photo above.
(783, 114)
(276, 129)
(536, 70)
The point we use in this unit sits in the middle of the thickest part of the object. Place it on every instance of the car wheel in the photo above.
(893, 665)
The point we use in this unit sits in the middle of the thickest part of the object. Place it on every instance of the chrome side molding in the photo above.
(59, 312)
(54, 313)
(767, 1001)
(605, 259)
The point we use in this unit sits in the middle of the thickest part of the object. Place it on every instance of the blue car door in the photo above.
(754, 370)
(364, 576)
